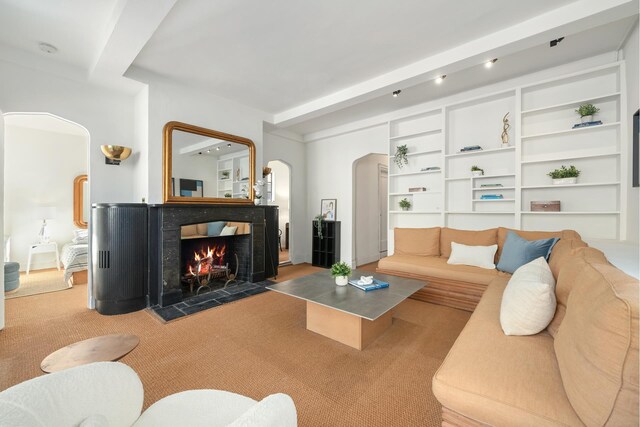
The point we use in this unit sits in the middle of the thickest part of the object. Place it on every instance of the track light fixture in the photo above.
(554, 43)
(396, 93)
(490, 63)
(440, 79)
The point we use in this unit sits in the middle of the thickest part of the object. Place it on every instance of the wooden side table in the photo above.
(42, 248)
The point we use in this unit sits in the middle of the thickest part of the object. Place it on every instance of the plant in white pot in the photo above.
(587, 111)
(405, 204)
(564, 175)
(341, 272)
(476, 171)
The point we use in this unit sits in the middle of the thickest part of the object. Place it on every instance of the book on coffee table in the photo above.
(377, 284)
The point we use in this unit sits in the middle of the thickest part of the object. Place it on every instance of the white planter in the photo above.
(476, 173)
(342, 280)
(565, 181)
(586, 119)
(405, 209)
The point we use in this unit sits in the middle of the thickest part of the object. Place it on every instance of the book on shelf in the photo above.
(377, 284)
(587, 124)
(491, 185)
(417, 189)
(470, 148)
(491, 197)
(430, 168)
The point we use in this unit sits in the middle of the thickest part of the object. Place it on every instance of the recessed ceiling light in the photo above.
(396, 93)
(208, 151)
(490, 63)
(440, 79)
(217, 148)
(229, 145)
(47, 48)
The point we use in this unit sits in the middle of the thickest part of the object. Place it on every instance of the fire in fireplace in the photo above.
(206, 265)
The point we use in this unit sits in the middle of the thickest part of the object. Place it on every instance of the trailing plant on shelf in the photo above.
(227, 195)
(341, 272)
(565, 175)
(476, 171)
(225, 174)
(405, 204)
(587, 111)
(401, 156)
(319, 220)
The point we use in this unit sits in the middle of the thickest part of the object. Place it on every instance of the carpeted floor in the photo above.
(255, 346)
(39, 282)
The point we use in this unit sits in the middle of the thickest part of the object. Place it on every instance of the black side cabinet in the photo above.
(119, 257)
(271, 255)
(326, 250)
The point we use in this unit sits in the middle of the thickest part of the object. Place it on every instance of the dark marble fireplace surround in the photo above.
(165, 222)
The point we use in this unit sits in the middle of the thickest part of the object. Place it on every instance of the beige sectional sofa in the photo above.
(581, 370)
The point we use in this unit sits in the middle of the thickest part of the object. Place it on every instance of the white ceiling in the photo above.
(275, 55)
(45, 122)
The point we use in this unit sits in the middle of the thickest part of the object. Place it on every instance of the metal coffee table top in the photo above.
(321, 288)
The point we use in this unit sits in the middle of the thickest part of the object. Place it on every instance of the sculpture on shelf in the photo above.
(505, 131)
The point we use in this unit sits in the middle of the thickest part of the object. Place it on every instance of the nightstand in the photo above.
(42, 248)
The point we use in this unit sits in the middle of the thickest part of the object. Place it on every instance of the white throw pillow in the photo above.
(228, 231)
(477, 256)
(529, 300)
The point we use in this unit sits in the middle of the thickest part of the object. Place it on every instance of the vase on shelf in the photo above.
(586, 119)
(477, 173)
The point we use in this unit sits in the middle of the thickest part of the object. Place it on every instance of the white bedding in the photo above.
(74, 258)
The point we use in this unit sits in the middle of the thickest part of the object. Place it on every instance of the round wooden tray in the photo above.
(99, 349)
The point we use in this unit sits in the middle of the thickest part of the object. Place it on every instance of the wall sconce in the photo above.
(114, 154)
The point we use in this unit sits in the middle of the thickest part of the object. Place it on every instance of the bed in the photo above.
(75, 261)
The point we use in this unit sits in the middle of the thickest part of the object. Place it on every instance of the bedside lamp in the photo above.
(45, 213)
(114, 154)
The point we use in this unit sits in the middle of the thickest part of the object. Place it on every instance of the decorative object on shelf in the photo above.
(114, 154)
(587, 111)
(319, 220)
(505, 131)
(417, 189)
(191, 187)
(225, 174)
(476, 171)
(341, 272)
(491, 185)
(430, 168)
(227, 195)
(401, 156)
(587, 124)
(257, 200)
(470, 148)
(405, 204)
(564, 175)
(491, 197)
(238, 174)
(258, 189)
(266, 170)
(545, 206)
(328, 209)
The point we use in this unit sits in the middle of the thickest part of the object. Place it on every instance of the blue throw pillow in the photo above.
(215, 228)
(518, 251)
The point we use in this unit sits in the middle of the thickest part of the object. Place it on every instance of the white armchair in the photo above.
(111, 394)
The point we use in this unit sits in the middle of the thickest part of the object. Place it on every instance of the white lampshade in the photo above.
(45, 212)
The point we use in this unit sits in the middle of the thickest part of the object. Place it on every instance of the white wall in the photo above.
(2, 213)
(630, 50)
(202, 167)
(330, 176)
(367, 209)
(106, 114)
(282, 192)
(39, 171)
(292, 152)
(141, 155)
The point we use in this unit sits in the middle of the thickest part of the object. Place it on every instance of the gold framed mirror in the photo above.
(80, 201)
(201, 165)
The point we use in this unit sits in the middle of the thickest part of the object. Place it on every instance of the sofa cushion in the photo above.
(561, 252)
(597, 345)
(518, 251)
(438, 268)
(242, 227)
(502, 380)
(188, 230)
(529, 301)
(215, 228)
(568, 279)
(417, 241)
(534, 235)
(228, 231)
(466, 237)
(477, 256)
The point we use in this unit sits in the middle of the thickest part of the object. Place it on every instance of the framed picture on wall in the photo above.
(328, 209)
(191, 188)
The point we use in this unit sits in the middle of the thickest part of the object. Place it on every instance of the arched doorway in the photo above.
(44, 155)
(279, 193)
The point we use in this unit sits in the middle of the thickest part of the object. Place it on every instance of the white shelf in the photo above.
(585, 156)
(494, 200)
(560, 132)
(415, 212)
(415, 192)
(594, 184)
(494, 176)
(573, 213)
(417, 153)
(457, 179)
(414, 173)
(411, 135)
(572, 103)
(476, 152)
(479, 213)
(493, 188)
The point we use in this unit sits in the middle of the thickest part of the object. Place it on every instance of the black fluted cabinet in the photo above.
(272, 256)
(119, 256)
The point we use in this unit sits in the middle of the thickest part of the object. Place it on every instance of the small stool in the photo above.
(11, 276)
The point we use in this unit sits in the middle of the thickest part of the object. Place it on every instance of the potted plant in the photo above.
(405, 204)
(401, 156)
(476, 171)
(565, 175)
(225, 174)
(587, 111)
(341, 272)
(227, 195)
(319, 220)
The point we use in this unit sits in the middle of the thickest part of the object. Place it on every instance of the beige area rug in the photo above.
(255, 346)
(39, 282)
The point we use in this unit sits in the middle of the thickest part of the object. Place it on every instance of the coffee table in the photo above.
(345, 313)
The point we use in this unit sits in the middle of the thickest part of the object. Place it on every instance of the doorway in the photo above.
(370, 178)
(279, 193)
(45, 168)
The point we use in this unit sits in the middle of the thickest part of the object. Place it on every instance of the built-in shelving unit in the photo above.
(541, 138)
(233, 175)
